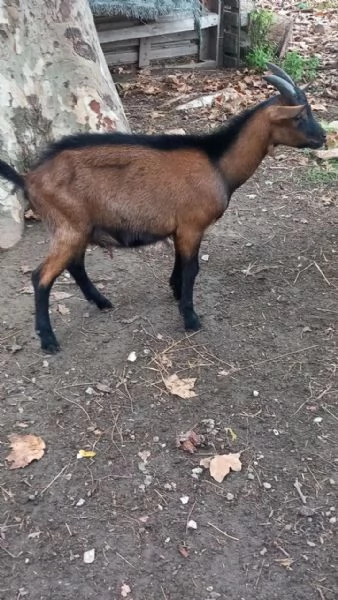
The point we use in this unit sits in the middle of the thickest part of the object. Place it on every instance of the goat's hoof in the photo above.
(192, 322)
(103, 303)
(50, 345)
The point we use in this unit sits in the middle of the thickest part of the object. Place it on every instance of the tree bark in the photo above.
(53, 81)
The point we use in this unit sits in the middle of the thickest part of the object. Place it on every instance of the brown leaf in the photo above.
(220, 465)
(190, 441)
(25, 449)
(183, 551)
(180, 387)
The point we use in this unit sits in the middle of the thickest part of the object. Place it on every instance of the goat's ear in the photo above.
(283, 113)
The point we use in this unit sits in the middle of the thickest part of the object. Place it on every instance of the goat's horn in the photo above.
(279, 72)
(284, 87)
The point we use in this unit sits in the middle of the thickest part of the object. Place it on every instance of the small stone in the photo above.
(89, 556)
(255, 393)
(229, 496)
(333, 520)
(192, 524)
(156, 439)
(89, 391)
(332, 481)
(184, 499)
(251, 476)
(132, 357)
(205, 257)
(45, 364)
(267, 485)
(317, 419)
(80, 502)
(263, 551)
(311, 544)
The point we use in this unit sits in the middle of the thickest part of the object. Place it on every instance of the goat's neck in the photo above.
(242, 159)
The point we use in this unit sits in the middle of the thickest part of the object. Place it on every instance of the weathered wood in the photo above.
(158, 28)
(156, 53)
(144, 52)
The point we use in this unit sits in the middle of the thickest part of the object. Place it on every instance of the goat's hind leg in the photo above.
(187, 244)
(62, 253)
(77, 270)
(175, 280)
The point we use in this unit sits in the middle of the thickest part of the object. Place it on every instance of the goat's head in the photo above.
(293, 123)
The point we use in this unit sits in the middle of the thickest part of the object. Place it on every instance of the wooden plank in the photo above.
(172, 52)
(158, 28)
(144, 52)
(110, 23)
(175, 37)
(121, 58)
(231, 42)
(206, 64)
(128, 57)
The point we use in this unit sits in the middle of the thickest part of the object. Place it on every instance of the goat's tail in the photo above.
(7, 172)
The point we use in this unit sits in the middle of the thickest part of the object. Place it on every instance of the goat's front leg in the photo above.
(77, 270)
(187, 245)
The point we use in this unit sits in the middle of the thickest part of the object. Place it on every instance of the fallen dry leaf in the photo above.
(327, 154)
(25, 449)
(221, 464)
(183, 551)
(62, 309)
(86, 454)
(189, 441)
(102, 387)
(60, 295)
(180, 387)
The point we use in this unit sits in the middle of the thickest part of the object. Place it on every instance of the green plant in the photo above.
(300, 67)
(261, 50)
(258, 57)
(326, 174)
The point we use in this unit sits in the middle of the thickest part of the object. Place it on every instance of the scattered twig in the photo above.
(126, 560)
(54, 480)
(297, 487)
(231, 537)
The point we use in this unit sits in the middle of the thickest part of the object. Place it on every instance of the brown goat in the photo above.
(137, 190)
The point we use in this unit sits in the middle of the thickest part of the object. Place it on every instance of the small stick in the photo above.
(324, 406)
(164, 594)
(297, 487)
(125, 560)
(322, 274)
(53, 480)
(224, 533)
(189, 515)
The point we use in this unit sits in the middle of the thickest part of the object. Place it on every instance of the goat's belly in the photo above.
(123, 238)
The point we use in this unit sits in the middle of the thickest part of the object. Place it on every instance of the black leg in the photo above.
(175, 280)
(43, 326)
(77, 270)
(190, 270)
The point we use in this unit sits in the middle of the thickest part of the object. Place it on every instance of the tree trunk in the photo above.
(53, 81)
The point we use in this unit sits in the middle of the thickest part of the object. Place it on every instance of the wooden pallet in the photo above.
(129, 42)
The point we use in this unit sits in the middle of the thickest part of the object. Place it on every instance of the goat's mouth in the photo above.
(316, 143)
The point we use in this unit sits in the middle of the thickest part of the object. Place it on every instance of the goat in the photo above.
(139, 189)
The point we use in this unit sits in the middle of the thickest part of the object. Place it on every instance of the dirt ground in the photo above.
(265, 367)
